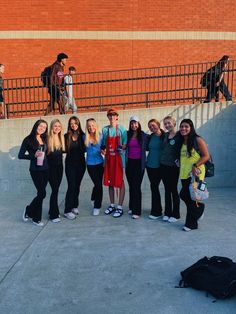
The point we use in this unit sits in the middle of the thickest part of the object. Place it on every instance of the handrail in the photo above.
(132, 87)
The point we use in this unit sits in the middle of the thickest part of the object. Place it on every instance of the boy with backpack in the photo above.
(54, 76)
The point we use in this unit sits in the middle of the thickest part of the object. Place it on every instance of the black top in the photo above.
(76, 151)
(55, 158)
(171, 149)
(28, 152)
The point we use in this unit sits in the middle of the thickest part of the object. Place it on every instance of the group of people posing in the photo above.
(166, 155)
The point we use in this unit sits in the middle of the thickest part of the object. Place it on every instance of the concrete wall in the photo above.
(215, 122)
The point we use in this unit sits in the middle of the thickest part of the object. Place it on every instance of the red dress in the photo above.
(113, 170)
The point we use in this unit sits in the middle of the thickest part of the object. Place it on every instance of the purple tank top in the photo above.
(134, 149)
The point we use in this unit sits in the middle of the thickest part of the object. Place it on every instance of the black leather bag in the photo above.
(210, 168)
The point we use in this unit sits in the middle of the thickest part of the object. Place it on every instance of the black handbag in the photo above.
(210, 168)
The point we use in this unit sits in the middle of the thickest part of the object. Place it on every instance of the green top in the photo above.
(186, 163)
(155, 150)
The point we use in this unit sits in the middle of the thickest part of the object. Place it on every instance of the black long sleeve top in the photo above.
(28, 152)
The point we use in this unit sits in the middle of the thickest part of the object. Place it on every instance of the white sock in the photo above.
(112, 205)
(119, 207)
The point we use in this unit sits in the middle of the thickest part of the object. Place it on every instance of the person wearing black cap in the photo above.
(56, 87)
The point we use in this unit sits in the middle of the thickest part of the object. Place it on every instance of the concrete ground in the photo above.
(102, 265)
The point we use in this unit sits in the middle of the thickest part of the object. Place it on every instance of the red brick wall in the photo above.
(27, 57)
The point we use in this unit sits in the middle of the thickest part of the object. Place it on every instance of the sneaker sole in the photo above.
(25, 219)
(69, 218)
(39, 225)
(152, 218)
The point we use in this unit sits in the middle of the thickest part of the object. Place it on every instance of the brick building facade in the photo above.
(108, 35)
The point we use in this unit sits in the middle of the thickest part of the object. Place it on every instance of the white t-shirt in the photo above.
(68, 81)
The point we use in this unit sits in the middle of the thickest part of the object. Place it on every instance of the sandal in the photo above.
(109, 210)
(118, 213)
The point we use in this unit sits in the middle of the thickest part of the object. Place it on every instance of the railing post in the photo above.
(147, 101)
(100, 104)
(193, 96)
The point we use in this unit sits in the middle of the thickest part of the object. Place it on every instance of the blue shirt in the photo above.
(155, 149)
(94, 156)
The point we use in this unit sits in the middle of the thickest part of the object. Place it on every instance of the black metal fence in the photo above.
(144, 87)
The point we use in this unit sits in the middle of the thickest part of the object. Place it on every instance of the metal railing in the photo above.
(132, 88)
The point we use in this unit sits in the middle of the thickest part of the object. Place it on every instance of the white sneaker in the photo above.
(130, 212)
(96, 211)
(186, 229)
(172, 219)
(38, 223)
(25, 217)
(154, 217)
(165, 218)
(70, 216)
(135, 216)
(75, 211)
(56, 220)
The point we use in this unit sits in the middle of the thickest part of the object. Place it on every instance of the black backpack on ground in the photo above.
(216, 275)
(45, 76)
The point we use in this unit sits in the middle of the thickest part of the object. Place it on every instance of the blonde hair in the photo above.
(170, 118)
(52, 145)
(87, 134)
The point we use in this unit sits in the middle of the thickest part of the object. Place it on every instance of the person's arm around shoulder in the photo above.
(103, 141)
(124, 137)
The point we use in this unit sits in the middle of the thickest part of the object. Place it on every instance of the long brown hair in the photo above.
(70, 131)
(31, 138)
(191, 139)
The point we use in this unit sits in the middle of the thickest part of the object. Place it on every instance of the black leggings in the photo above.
(154, 175)
(194, 210)
(134, 174)
(40, 180)
(170, 177)
(55, 177)
(74, 175)
(96, 175)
